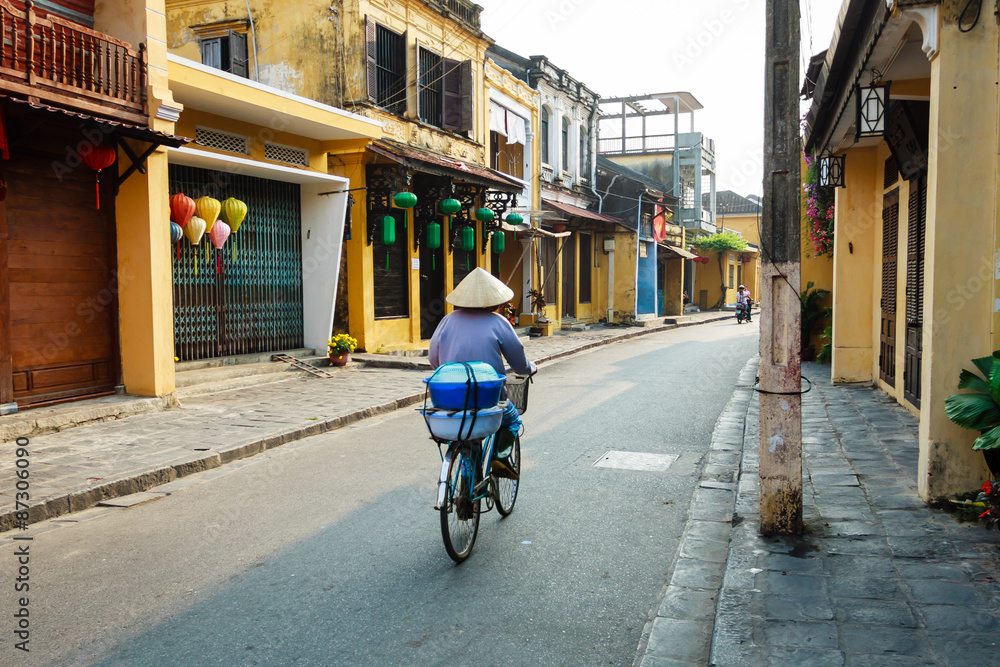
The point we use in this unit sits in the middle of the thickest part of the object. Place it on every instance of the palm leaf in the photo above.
(984, 364)
(969, 380)
(978, 412)
(994, 378)
(988, 440)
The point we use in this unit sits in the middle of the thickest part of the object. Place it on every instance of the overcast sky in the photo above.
(713, 49)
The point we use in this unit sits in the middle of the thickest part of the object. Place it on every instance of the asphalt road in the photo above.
(327, 551)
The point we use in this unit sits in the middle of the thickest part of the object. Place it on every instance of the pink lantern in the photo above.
(219, 233)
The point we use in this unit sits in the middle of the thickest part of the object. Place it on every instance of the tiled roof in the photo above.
(728, 202)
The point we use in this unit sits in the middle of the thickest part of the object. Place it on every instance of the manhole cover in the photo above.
(636, 461)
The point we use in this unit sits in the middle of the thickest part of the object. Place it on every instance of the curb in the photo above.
(81, 499)
(680, 632)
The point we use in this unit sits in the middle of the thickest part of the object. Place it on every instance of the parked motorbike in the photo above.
(743, 311)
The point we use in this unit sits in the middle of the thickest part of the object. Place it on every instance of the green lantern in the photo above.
(499, 243)
(484, 215)
(514, 219)
(468, 239)
(433, 235)
(433, 241)
(405, 200)
(450, 206)
(388, 230)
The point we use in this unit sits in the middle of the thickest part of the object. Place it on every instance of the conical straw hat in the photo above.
(479, 289)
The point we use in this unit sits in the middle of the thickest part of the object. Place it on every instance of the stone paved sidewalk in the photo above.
(879, 578)
(76, 468)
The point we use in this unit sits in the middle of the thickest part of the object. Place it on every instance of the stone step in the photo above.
(240, 359)
(677, 319)
(214, 379)
(38, 421)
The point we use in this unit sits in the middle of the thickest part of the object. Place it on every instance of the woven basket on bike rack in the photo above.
(517, 392)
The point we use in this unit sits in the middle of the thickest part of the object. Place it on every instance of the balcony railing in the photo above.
(652, 143)
(463, 10)
(70, 65)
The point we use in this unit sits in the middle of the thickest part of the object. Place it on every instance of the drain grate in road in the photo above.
(636, 461)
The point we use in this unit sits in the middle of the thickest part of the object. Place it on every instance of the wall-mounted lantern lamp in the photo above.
(872, 102)
(831, 171)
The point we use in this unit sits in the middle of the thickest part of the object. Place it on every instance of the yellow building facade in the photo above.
(916, 228)
(416, 70)
(271, 284)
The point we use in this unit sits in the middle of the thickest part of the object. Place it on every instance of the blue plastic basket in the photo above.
(458, 386)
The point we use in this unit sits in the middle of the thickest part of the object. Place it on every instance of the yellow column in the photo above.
(856, 279)
(145, 297)
(959, 277)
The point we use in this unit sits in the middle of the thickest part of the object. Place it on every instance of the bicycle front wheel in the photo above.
(459, 514)
(507, 488)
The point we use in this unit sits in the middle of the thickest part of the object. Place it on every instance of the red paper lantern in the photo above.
(100, 157)
(181, 208)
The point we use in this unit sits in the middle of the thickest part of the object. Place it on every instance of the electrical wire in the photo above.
(968, 6)
(756, 381)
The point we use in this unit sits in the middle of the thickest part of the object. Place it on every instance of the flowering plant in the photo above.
(508, 312)
(819, 210)
(537, 300)
(990, 498)
(342, 344)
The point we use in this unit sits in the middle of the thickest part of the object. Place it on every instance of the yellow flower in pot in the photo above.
(340, 348)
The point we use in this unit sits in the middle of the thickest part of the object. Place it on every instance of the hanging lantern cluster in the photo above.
(194, 218)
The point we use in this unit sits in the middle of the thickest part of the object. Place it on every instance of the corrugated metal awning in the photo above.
(576, 211)
(443, 166)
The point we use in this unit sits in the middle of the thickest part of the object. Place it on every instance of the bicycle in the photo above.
(467, 480)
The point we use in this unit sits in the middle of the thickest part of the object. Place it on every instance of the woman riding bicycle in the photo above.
(475, 332)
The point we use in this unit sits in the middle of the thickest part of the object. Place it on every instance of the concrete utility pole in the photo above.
(780, 329)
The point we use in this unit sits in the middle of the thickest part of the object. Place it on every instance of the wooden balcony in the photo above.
(60, 62)
(463, 10)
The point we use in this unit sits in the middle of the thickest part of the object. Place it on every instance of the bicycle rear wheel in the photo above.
(459, 514)
(507, 488)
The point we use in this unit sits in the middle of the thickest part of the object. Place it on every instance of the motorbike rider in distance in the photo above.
(744, 301)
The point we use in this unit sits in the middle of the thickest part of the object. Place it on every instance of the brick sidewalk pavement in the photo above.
(879, 578)
(76, 468)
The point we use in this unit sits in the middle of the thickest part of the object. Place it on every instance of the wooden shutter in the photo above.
(238, 58)
(451, 95)
(211, 52)
(916, 225)
(468, 90)
(371, 68)
(890, 226)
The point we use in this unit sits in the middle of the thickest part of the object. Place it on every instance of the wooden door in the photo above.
(569, 276)
(63, 282)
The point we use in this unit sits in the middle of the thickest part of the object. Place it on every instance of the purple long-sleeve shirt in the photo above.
(478, 335)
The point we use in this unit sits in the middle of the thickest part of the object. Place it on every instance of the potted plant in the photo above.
(537, 302)
(812, 315)
(340, 348)
(979, 410)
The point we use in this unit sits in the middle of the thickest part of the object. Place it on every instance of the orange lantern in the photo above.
(98, 158)
(181, 208)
